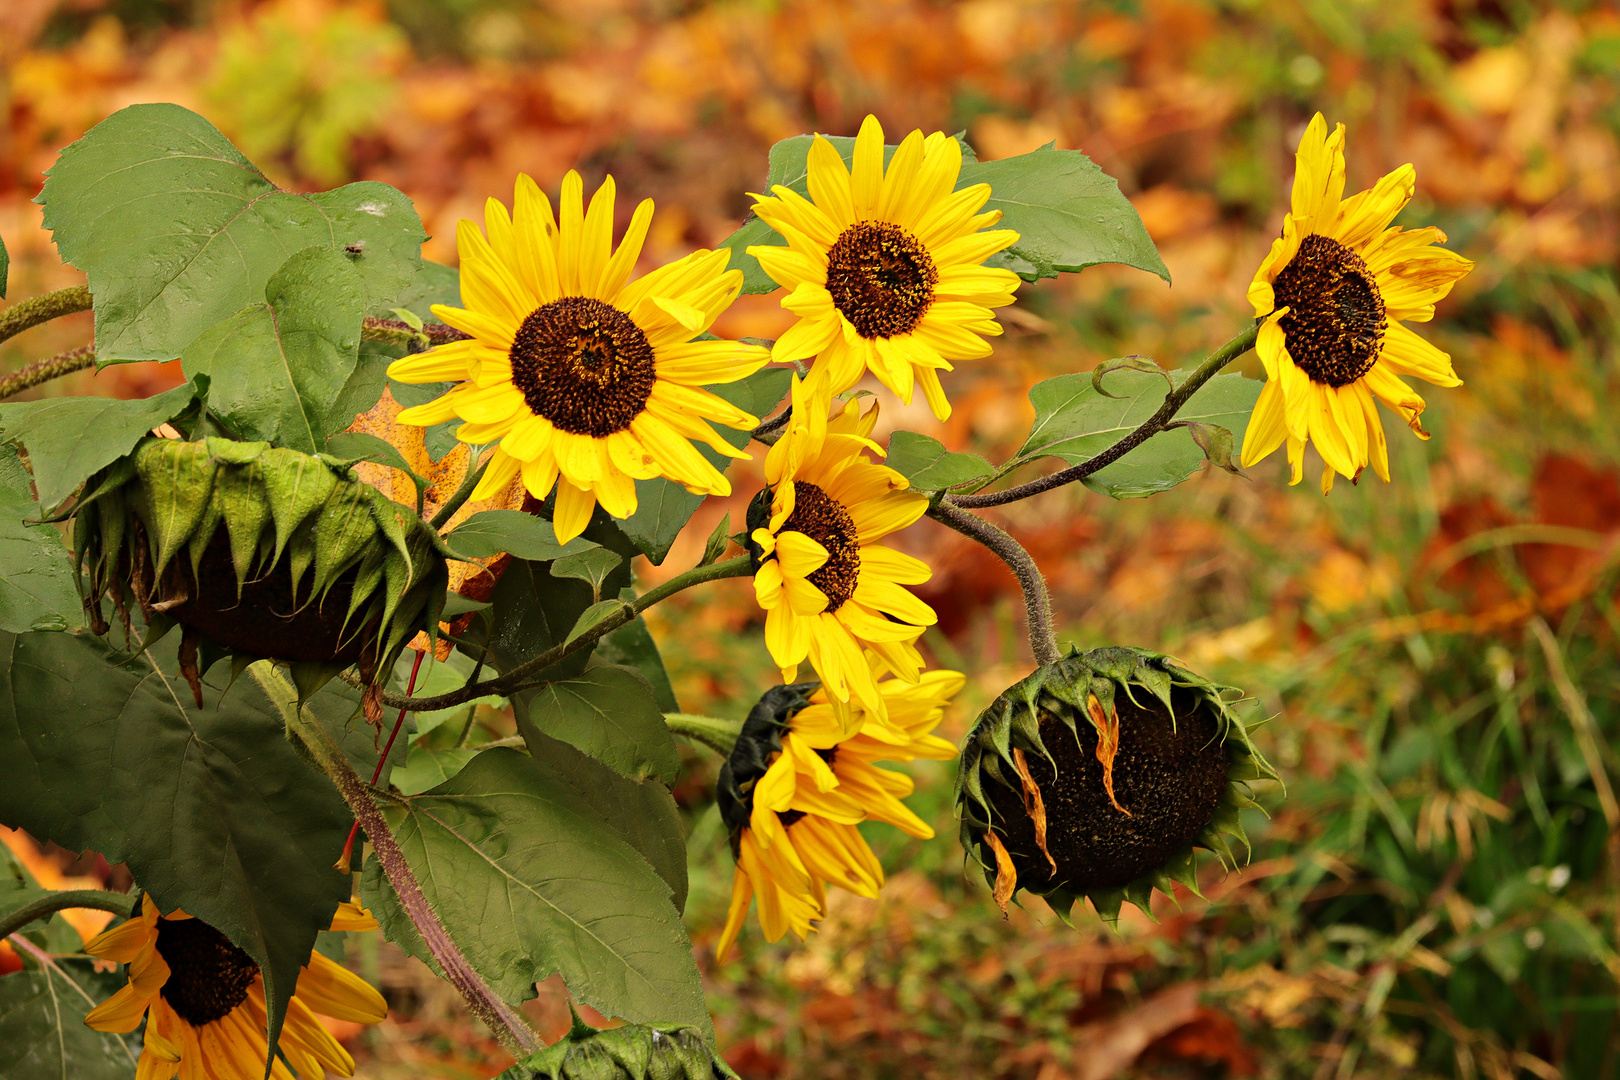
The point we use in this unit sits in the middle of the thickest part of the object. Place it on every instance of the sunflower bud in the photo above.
(259, 551)
(1099, 774)
(631, 1052)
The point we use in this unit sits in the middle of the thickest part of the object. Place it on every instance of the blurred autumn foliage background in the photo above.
(1439, 895)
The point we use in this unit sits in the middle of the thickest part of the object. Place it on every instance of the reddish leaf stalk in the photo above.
(344, 861)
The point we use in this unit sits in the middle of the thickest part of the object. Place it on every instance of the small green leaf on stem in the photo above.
(593, 615)
(715, 546)
(1215, 441)
(593, 566)
(363, 446)
(929, 466)
(409, 318)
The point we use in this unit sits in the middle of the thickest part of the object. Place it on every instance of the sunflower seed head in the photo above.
(1162, 722)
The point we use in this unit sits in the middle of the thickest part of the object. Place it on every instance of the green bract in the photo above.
(259, 551)
(1099, 774)
(631, 1052)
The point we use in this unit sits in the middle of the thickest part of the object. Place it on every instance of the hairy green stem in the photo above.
(39, 309)
(475, 473)
(43, 371)
(717, 734)
(519, 676)
(402, 334)
(1037, 601)
(45, 906)
(501, 1018)
(1173, 401)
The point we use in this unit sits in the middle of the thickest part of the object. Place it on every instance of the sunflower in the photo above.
(203, 1000)
(796, 785)
(1333, 294)
(587, 380)
(829, 589)
(884, 267)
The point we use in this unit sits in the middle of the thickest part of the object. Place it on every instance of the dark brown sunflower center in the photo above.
(583, 365)
(1335, 324)
(823, 519)
(881, 278)
(208, 976)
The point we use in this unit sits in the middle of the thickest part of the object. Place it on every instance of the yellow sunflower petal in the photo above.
(570, 233)
(1268, 426)
(742, 896)
(619, 267)
(1406, 353)
(333, 990)
(866, 174)
(829, 183)
(573, 512)
(122, 1012)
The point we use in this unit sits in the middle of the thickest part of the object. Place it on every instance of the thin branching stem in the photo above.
(521, 676)
(507, 1025)
(1037, 601)
(475, 473)
(41, 309)
(1173, 401)
(717, 734)
(43, 371)
(45, 906)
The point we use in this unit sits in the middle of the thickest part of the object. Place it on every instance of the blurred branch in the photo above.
(38, 309)
(1037, 601)
(1580, 718)
(1173, 401)
(43, 371)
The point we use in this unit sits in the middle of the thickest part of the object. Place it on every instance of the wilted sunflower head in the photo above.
(1099, 774)
(628, 1052)
(259, 551)
(884, 266)
(1334, 293)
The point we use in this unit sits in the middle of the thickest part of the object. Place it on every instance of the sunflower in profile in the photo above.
(830, 591)
(203, 1000)
(884, 267)
(1334, 293)
(796, 784)
(588, 381)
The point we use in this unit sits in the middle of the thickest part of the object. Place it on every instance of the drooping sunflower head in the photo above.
(797, 783)
(884, 266)
(1099, 774)
(1334, 294)
(628, 1052)
(829, 589)
(202, 998)
(586, 380)
(259, 551)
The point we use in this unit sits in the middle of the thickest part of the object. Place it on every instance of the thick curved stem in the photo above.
(39, 309)
(520, 676)
(96, 899)
(501, 1018)
(1037, 601)
(1150, 427)
(44, 371)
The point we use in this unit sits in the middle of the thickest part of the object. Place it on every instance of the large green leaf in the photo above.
(663, 507)
(609, 713)
(432, 284)
(632, 645)
(277, 368)
(211, 808)
(529, 881)
(1075, 423)
(177, 230)
(929, 466)
(36, 585)
(523, 536)
(68, 438)
(43, 1035)
(1069, 213)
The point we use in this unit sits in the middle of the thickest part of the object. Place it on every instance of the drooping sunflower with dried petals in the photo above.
(1334, 294)
(588, 381)
(884, 267)
(797, 783)
(830, 590)
(203, 1001)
